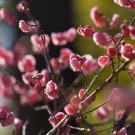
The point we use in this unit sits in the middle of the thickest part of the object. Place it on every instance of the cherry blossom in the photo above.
(27, 64)
(52, 90)
(25, 27)
(98, 18)
(85, 31)
(102, 39)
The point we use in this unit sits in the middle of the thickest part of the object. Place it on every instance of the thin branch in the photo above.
(80, 114)
(46, 56)
(102, 123)
(80, 129)
(84, 79)
(95, 78)
(44, 107)
(113, 67)
(25, 127)
(52, 131)
(104, 130)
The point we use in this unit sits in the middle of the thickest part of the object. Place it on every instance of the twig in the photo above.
(80, 114)
(113, 67)
(44, 107)
(95, 78)
(46, 56)
(104, 130)
(51, 132)
(80, 129)
(84, 79)
(24, 127)
(101, 124)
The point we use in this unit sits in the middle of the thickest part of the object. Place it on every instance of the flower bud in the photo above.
(102, 39)
(26, 28)
(27, 64)
(104, 61)
(98, 18)
(111, 51)
(85, 31)
(127, 51)
(87, 101)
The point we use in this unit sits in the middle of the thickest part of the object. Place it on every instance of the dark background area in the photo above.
(55, 16)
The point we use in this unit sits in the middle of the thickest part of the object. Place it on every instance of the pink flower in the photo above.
(30, 97)
(76, 62)
(7, 80)
(118, 98)
(8, 120)
(28, 79)
(89, 64)
(85, 31)
(6, 57)
(26, 28)
(62, 38)
(20, 89)
(78, 120)
(64, 56)
(58, 39)
(132, 69)
(73, 107)
(111, 51)
(79, 102)
(98, 18)
(104, 61)
(132, 32)
(115, 21)
(125, 3)
(17, 124)
(70, 35)
(56, 65)
(125, 28)
(38, 43)
(127, 51)
(45, 77)
(102, 39)
(82, 93)
(27, 64)
(103, 113)
(19, 51)
(6, 86)
(3, 113)
(7, 16)
(87, 101)
(22, 6)
(54, 120)
(51, 90)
